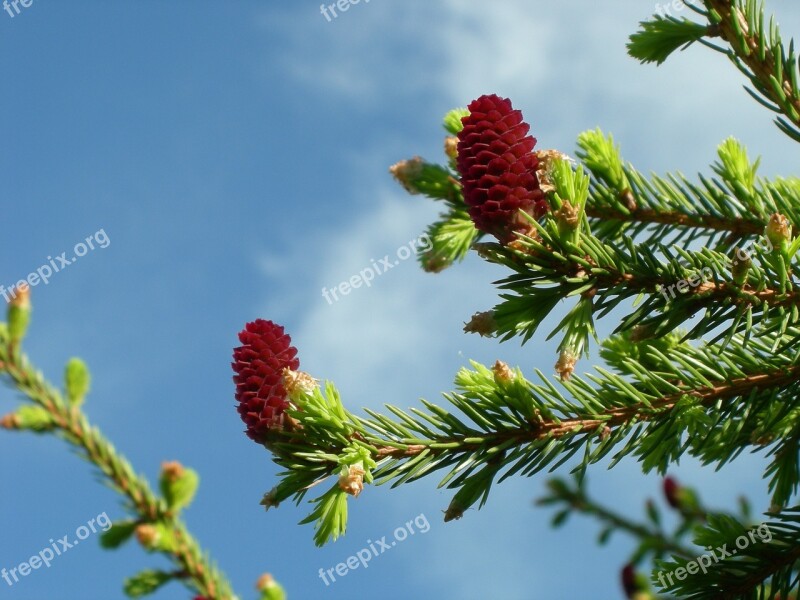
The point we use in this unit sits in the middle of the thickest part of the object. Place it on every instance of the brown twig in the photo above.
(737, 226)
(612, 418)
(75, 427)
(748, 50)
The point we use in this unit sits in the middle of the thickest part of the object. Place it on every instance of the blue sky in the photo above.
(236, 157)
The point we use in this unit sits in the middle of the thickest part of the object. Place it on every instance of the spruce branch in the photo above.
(453, 234)
(653, 540)
(758, 52)
(759, 563)
(753, 45)
(739, 227)
(667, 397)
(672, 284)
(155, 520)
(661, 36)
(500, 424)
(732, 207)
(713, 547)
(604, 268)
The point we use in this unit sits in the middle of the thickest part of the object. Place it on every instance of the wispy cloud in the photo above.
(371, 340)
(567, 67)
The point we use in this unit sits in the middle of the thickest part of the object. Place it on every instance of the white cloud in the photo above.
(371, 340)
(347, 56)
(503, 50)
(566, 68)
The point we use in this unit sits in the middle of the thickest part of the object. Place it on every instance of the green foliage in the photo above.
(119, 533)
(18, 320)
(453, 234)
(451, 240)
(432, 180)
(35, 418)
(179, 491)
(329, 516)
(654, 540)
(752, 42)
(273, 592)
(76, 381)
(706, 554)
(668, 399)
(735, 168)
(661, 36)
(737, 560)
(157, 528)
(601, 156)
(160, 537)
(720, 212)
(452, 120)
(145, 583)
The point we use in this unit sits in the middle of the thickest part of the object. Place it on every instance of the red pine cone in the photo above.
(498, 168)
(629, 583)
(259, 362)
(672, 492)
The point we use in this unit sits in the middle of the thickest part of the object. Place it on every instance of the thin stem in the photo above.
(582, 503)
(76, 429)
(780, 560)
(738, 227)
(704, 293)
(747, 50)
(603, 421)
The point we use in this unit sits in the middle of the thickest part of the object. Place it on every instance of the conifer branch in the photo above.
(760, 562)
(651, 536)
(759, 53)
(500, 424)
(155, 523)
(601, 422)
(754, 47)
(739, 227)
(729, 208)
